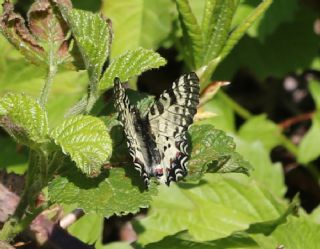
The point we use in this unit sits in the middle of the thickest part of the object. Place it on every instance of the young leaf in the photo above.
(217, 32)
(86, 140)
(132, 63)
(213, 151)
(23, 118)
(43, 39)
(92, 34)
(119, 191)
(219, 206)
(138, 23)
(240, 30)
(192, 34)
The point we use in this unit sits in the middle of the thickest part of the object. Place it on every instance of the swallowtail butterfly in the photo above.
(157, 141)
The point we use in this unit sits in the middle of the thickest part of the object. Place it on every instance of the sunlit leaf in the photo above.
(131, 63)
(86, 140)
(24, 119)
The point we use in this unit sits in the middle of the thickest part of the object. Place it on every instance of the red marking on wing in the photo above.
(159, 171)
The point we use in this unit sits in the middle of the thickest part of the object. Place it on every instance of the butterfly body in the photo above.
(157, 141)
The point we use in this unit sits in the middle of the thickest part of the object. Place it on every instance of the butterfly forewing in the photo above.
(128, 116)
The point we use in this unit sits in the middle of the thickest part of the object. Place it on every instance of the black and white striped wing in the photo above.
(128, 115)
(169, 118)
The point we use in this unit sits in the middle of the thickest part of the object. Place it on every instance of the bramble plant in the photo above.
(76, 150)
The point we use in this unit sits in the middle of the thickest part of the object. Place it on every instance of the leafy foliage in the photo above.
(308, 149)
(213, 151)
(83, 160)
(130, 64)
(24, 119)
(192, 33)
(260, 56)
(88, 229)
(43, 38)
(262, 128)
(10, 160)
(116, 191)
(278, 12)
(93, 38)
(218, 206)
(297, 227)
(86, 140)
(138, 23)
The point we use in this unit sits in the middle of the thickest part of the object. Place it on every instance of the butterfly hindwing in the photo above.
(169, 118)
(157, 142)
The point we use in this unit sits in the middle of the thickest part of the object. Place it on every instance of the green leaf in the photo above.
(88, 228)
(233, 38)
(259, 57)
(296, 233)
(308, 149)
(240, 239)
(185, 240)
(314, 88)
(213, 151)
(132, 63)
(207, 16)
(268, 174)
(315, 215)
(86, 140)
(259, 128)
(12, 158)
(114, 245)
(138, 23)
(215, 208)
(92, 35)
(67, 87)
(218, 30)
(24, 119)
(93, 5)
(192, 34)
(246, 23)
(118, 191)
(279, 12)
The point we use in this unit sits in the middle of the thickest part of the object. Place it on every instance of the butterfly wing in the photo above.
(135, 129)
(169, 118)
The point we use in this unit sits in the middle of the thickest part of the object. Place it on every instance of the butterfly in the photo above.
(157, 140)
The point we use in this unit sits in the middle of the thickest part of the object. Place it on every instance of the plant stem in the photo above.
(52, 70)
(36, 179)
(242, 112)
(14, 225)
